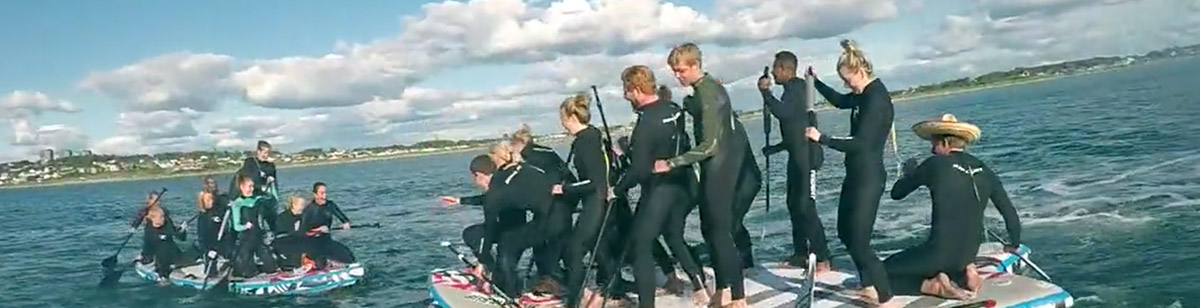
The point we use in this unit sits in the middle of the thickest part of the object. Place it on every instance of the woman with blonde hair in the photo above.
(870, 118)
(289, 231)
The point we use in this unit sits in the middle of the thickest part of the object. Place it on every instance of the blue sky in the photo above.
(128, 77)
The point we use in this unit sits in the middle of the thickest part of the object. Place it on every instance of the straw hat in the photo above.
(947, 125)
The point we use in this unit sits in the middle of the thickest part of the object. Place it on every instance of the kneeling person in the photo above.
(318, 219)
(960, 186)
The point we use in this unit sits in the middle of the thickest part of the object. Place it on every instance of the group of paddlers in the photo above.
(244, 227)
(719, 175)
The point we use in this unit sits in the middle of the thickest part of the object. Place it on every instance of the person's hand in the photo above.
(810, 72)
(661, 166)
(764, 83)
(910, 165)
(322, 229)
(617, 150)
(248, 226)
(270, 179)
(450, 200)
(556, 189)
(611, 194)
(813, 134)
(345, 226)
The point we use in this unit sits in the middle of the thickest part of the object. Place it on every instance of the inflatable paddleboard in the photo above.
(335, 275)
(772, 285)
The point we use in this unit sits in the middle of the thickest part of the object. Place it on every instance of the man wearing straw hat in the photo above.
(960, 186)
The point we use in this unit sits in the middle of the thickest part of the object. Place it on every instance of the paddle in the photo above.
(212, 254)
(1018, 254)
(353, 226)
(766, 142)
(507, 301)
(111, 274)
(608, 205)
(111, 261)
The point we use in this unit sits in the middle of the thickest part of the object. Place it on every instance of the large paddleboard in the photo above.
(334, 276)
(773, 285)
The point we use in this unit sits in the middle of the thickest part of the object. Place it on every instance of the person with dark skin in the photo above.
(960, 186)
(515, 188)
(720, 154)
(804, 158)
(317, 219)
(261, 170)
(870, 119)
(212, 204)
(655, 136)
(244, 218)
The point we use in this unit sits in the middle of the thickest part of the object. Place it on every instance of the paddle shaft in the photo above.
(1018, 254)
(110, 261)
(508, 301)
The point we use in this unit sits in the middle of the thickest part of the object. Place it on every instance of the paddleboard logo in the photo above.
(480, 298)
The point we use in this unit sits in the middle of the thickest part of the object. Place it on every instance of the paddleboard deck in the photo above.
(334, 276)
(773, 285)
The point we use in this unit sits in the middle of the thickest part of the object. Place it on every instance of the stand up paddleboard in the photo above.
(335, 275)
(774, 285)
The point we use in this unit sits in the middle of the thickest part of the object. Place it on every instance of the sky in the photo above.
(136, 77)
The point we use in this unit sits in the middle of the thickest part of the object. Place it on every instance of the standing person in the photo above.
(244, 217)
(545, 158)
(212, 205)
(719, 154)
(318, 220)
(261, 171)
(870, 118)
(655, 136)
(804, 158)
(960, 186)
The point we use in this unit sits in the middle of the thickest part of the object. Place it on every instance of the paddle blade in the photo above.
(111, 277)
(109, 263)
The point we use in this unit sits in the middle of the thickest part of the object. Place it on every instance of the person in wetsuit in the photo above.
(592, 166)
(655, 136)
(290, 242)
(547, 256)
(261, 170)
(960, 186)
(318, 220)
(870, 119)
(720, 155)
(473, 236)
(804, 159)
(245, 220)
(515, 187)
(160, 233)
(211, 205)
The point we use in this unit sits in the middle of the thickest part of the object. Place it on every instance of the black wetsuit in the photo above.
(523, 187)
(250, 241)
(749, 183)
(259, 172)
(960, 186)
(208, 227)
(804, 159)
(592, 165)
(474, 236)
(162, 249)
(865, 176)
(548, 256)
(289, 241)
(656, 136)
(322, 245)
(720, 154)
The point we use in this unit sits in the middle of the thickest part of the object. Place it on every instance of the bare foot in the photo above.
(891, 303)
(700, 298)
(741, 303)
(823, 268)
(720, 298)
(592, 299)
(941, 286)
(869, 293)
(974, 281)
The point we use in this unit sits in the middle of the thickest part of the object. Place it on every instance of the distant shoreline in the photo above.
(752, 115)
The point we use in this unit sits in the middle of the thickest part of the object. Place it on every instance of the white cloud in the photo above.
(999, 9)
(168, 82)
(56, 136)
(23, 104)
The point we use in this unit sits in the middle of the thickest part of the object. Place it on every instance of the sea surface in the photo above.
(1104, 169)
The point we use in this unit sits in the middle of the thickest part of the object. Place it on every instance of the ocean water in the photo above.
(1104, 169)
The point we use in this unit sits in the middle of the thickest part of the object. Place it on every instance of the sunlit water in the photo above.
(1104, 168)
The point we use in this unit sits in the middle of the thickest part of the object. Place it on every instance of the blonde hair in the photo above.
(504, 152)
(638, 78)
(291, 201)
(687, 53)
(578, 106)
(523, 134)
(854, 59)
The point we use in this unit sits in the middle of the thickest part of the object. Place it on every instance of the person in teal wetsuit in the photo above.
(245, 219)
